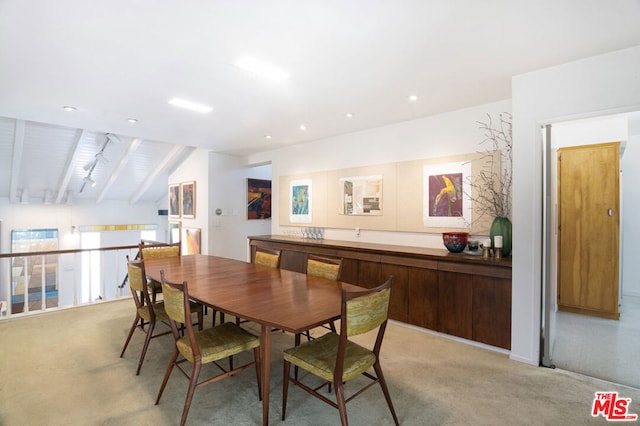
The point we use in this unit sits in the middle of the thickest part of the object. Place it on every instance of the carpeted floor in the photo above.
(63, 368)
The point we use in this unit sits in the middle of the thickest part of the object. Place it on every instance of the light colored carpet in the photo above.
(63, 368)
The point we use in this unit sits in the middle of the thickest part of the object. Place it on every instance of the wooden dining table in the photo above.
(274, 298)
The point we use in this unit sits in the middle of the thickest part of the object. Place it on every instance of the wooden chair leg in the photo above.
(342, 405)
(192, 387)
(133, 328)
(295, 367)
(145, 346)
(285, 387)
(385, 390)
(172, 362)
(213, 317)
(256, 358)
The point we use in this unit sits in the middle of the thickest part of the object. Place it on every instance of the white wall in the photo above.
(613, 128)
(591, 87)
(630, 226)
(228, 231)
(196, 168)
(63, 217)
(431, 137)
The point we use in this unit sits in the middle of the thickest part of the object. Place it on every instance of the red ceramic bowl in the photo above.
(455, 242)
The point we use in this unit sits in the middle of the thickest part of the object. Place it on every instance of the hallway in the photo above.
(602, 348)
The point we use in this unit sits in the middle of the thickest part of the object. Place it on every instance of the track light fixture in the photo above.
(98, 158)
(112, 138)
(88, 180)
(101, 158)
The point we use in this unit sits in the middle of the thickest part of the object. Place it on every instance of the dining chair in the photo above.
(267, 257)
(154, 251)
(264, 257)
(336, 359)
(147, 313)
(203, 347)
(325, 267)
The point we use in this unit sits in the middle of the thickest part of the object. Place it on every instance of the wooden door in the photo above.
(589, 229)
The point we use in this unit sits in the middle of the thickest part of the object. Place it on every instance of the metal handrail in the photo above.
(76, 279)
(41, 253)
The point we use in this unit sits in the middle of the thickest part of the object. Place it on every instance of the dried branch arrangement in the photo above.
(491, 189)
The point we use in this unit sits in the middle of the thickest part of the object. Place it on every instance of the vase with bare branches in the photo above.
(491, 188)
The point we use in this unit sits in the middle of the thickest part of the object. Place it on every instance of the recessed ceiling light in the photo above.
(303, 127)
(132, 120)
(69, 108)
(413, 98)
(193, 106)
(267, 136)
(349, 115)
(262, 69)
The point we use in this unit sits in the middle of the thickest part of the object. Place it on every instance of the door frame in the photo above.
(548, 254)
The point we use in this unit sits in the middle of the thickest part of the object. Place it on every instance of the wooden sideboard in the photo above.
(453, 293)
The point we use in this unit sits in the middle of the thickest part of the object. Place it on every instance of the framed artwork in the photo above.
(300, 201)
(190, 241)
(361, 195)
(174, 201)
(446, 201)
(258, 199)
(188, 198)
(175, 231)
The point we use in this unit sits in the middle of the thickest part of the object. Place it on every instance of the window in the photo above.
(33, 277)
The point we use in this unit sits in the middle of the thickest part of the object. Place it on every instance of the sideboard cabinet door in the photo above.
(455, 304)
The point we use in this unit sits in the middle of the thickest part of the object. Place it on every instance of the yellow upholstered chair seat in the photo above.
(319, 357)
(158, 309)
(160, 313)
(218, 342)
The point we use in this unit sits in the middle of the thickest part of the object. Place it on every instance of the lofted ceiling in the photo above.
(121, 60)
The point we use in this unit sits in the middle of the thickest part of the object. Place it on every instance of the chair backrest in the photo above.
(177, 307)
(153, 251)
(267, 257)
(174, 298)
(138, 282)
(362, 311)
(324, 267)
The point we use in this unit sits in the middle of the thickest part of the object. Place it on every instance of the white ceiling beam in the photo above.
(16, 164)
(133, 146)
(176, 151)
(72, 160)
